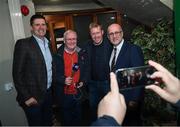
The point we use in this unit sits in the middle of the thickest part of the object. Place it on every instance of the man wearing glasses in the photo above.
(125, 55)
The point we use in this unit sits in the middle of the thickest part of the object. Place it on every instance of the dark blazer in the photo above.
(29, 70)
(130, 56)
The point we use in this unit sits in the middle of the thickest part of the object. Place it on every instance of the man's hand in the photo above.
(68, 80)
(31, 101)
(80, 84)
(171, 91)
(113, 104)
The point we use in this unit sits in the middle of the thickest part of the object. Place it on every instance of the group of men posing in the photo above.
(41, 77)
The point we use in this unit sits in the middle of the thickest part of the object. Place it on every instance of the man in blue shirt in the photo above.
(32, 74)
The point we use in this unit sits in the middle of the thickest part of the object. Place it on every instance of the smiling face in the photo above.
(39, 27)
(70, 39)
(96, 34)
(115, 34)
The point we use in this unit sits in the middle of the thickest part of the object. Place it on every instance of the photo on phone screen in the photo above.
(135, 77)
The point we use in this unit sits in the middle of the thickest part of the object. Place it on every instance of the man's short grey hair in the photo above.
(67, 32)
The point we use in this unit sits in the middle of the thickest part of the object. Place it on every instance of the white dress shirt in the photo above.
(43, 44)
(118, 49)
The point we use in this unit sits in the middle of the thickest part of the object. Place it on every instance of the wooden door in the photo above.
(57, 25)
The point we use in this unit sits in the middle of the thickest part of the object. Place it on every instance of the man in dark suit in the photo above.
(126, 55)
(32, 74)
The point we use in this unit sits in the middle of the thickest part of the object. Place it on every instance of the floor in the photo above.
(85, 115)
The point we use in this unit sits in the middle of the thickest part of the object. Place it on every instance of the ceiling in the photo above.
(144, 11)
(65, 5)
(61, 2)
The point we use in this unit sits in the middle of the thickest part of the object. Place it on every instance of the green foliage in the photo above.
(158, 45)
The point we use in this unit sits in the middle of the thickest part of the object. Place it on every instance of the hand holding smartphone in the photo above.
(129, 78)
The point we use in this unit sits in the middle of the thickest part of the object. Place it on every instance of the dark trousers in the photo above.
(41, 114)
(71, 110)
(133, 116)
(97, 90)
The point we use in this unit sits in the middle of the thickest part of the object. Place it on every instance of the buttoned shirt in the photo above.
(118, 49)
(43, 44)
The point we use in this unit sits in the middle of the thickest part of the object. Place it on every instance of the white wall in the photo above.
(26, 19)
(10, 112)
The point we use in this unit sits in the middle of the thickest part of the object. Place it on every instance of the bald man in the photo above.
(125, 55)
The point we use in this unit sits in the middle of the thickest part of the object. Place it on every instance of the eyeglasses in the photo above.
(115, 33)
(71, 39)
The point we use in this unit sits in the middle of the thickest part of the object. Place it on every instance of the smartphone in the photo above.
(133, 77)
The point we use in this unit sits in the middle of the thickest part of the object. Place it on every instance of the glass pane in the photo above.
(59, 35)
(81, 26)
(105, 19)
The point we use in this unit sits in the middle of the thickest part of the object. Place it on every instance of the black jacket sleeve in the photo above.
(177, 105)
(105, 121)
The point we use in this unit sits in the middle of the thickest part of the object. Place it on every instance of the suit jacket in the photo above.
(29, 70)
(130, 56)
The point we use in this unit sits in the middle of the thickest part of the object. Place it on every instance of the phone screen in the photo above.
(135, 77)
